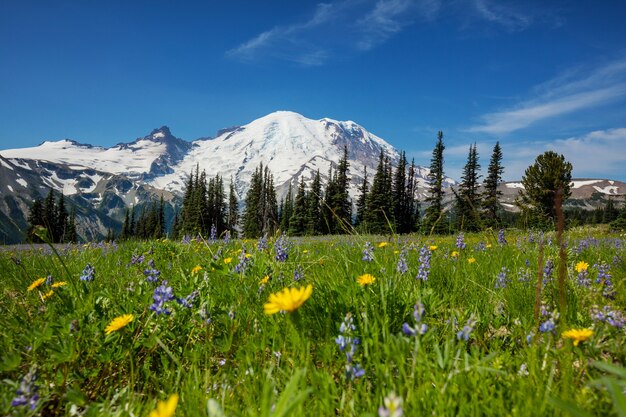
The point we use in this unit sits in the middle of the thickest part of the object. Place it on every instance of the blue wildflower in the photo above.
(298, 274)
(501, 278)
(460, 241)
(348, 343)
(368, 252)
(261, 244)
(466, 331)
(28, 392)
(188, 300)
(280, 248)
(152, 275)
(162, 294)
(501, 238)
(419, 327)
(401, 266)
(424, 268)
(88, 273)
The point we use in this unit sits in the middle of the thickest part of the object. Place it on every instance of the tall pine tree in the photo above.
(491, 192)
(434, 218)
(467, 197)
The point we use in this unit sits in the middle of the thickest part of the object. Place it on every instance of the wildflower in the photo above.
(165, 408)
(577, 335)
(366, 279)
(28, 392)
(227, 237)
(261, 244)
(280, 247)
(501, 278)
(383, 244)
(88, 273)
(244, 259)
(196, 269)
(401, 266)
(424, 268)
(289, 300)
(118, 322)
(419, 327)
(152, 275)
(162, 294)
(432, 247)
(547, 271)
(465, 332)
(471, 260)
(47, 295)
(59, 284)
(348, 344)
(298, 274)
(523, 370)
(36, 283)
(392, 406)
(49, 280)
(188, 300)
(460, 241)
(581, 266)
(136, 259)
(213, 234)
(488, 246)
(368, 252)
(264, 280)
(454, 254)
(501, 238)
(186, 240)
(614, 318)
(604, 279)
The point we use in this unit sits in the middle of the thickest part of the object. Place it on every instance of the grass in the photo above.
(224, 356)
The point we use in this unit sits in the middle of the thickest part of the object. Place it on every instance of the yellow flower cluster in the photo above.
(118, 322)
(577, 335)
(581, 266)
(366, 279)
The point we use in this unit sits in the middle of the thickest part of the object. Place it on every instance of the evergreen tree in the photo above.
(314, 206)
(60, 219)
(35, 218)
(176, 226)
(379, 202)
(610, 213)
(72, 235)
(233, 209)
(413, 204)
(328, 213)
(125, 234)
(491, 193)
(361, 203)
(270, 204)
(434, 217)
(468, 197)
(252, 219)
(297, 223)
(542, 181)
(286, 210)
(49, 216)
(620, 223)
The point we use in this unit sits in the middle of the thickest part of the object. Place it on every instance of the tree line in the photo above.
(51, 214)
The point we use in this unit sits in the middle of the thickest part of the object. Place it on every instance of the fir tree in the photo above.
(379, 202)
(60, 219)
(361, 203)
(49, 216)
(270, 204)
(72, 235)
(233, 209)
(314, 206)
(434, 217)
(297, 223)
(286, 210)
(413, 204)
(252, 219)
(491, 193)
(467, 197)
(35, 219)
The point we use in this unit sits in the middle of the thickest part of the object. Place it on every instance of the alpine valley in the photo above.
(101, 183)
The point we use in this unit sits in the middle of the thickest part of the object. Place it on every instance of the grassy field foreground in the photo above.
(341, 326)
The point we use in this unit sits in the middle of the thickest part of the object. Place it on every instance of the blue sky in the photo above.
(534, 75)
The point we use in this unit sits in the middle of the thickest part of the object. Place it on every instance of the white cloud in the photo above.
(568, 93)
(360, 25)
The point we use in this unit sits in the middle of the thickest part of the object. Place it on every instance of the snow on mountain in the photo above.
(145, 157)
(291, 145)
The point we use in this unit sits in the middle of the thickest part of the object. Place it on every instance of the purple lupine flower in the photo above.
(261, 244)
(227, 237)
(213, 234)
(547, 271)
(298, 274)
(614, 318)
(605, 280)
(28, 392)
(418, 327)
(348, 343)
(424, 268)
(501, 238)
(354, 371)
(152, 275)
(188, 300)
(466, 331)
(88, 273)
(280, 248)
(136, 259)
(368, 252)
(501, 278)
(401, 266)
(162, 294)
(460, 241)
(205, 315)
(186, 240)
(244, 260)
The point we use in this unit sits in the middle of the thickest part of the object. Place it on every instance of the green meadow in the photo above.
(437, 326)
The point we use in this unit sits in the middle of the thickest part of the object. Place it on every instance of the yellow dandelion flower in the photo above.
(196, 269)
(366, 279)
(47, 295)
(383, 244)
(248, 255)
(432, 247)
(305, 251)
(228, 260)
(118, 322)
(488, 245)
(264, 280)
(289, 299)
(59, 284)
(581, 266)
(36, 283)
(454, 254)
(165, 408)
(471, 260)
(577, 335)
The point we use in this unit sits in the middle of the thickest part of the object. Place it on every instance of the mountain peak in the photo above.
(162, 132)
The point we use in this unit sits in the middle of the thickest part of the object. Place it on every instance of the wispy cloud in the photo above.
(571, 92)
(360, 25)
